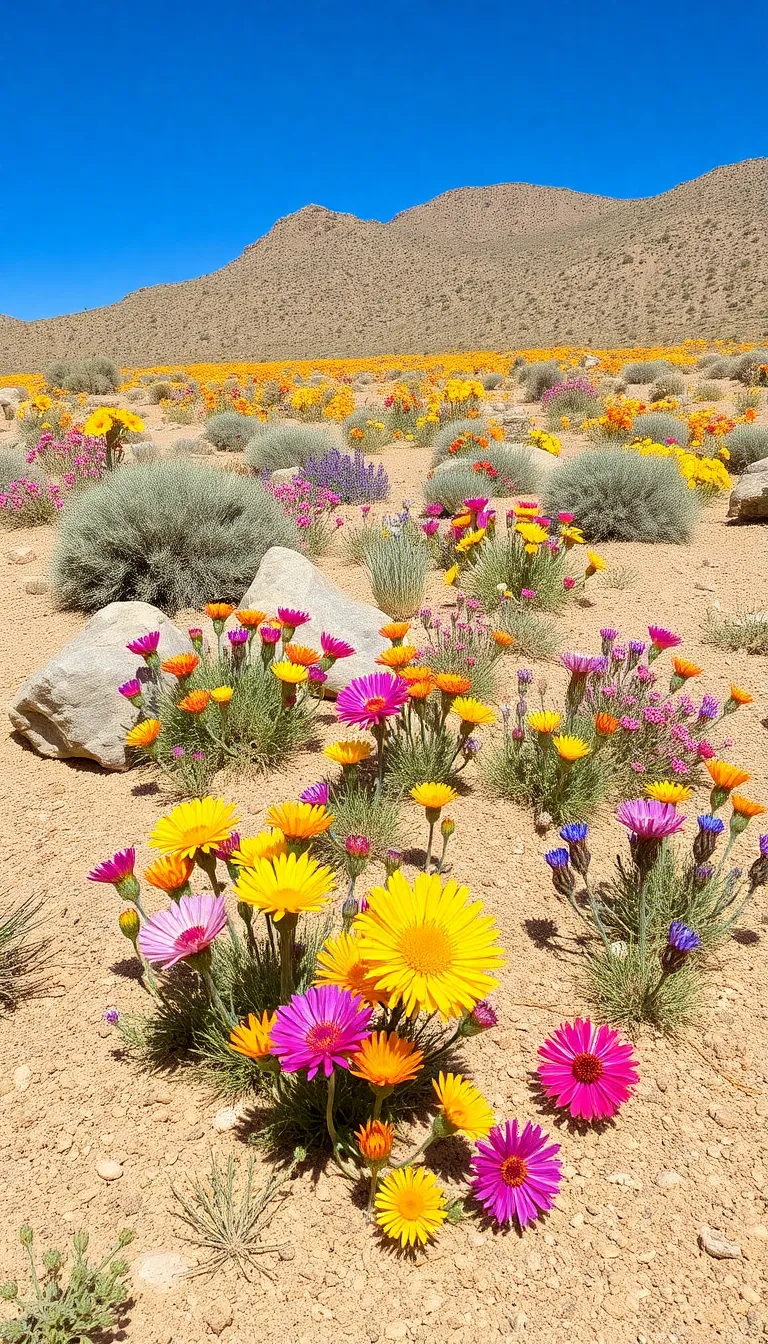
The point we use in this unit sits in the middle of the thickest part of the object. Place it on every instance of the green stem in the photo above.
(422, 1148)
(429, 847)
(217, 1000)
(372, 1192)
(286, 958)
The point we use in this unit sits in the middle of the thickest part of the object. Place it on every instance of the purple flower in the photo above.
(524, 676)
(516, 1176)
(145, 645)
(131, 689)
(557, 858)
(581, 664)
(348, 479)
(317, 675)
(764, 846)
(116, 869)
(709, 708)
(320, 1029)
(239, 636)
(111, 1016)
(649, 819)
(608, 634)
(177, 752)
(682, 937)
(317, 794)
(630, 725)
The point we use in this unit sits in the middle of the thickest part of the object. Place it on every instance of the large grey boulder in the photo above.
(749, 497)
(287, 579)
(72, 706)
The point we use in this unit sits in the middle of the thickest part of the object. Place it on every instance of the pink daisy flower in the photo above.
(590, 1070)
(145, 644)
(367, 701)
(293, 618)
(516, 1176)
(475, 505)
(116, 869)
(649, 819)
(320, 1029)
(335, 648)
(185, 929)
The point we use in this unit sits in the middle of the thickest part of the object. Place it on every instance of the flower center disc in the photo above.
(426, 949)
(191, 938)
(323, 1037)
(376, 704)
(514, 1171)
(411, 1205)
(587, 1068)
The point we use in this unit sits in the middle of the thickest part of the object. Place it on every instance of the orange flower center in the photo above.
(426, 949)
(587, 1068)
(513, 1171)
(376, 704)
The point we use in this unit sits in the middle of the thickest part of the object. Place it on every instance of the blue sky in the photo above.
(150, 142)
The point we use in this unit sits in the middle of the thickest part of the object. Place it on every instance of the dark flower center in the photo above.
(587, 1068)
(514, 1171)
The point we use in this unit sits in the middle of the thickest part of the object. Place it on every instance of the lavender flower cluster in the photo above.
(553, 394)
(353, 479)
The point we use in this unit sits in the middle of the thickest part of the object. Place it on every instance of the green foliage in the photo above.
(225, 1223)
(169, 533)
(518, 468)
(159, 391)
(717, 366)
(146, 451)
(539, 376)
(412, 760)
(358, 810)
(620, 577)
(364, 418)
(746, 399)
(23, 955)
(622, 986)
(286, 445)
(645, 370)
(503, 564)
(532, 776)
(397, 562)
(534, 633)
(229, 431)
(668, 385)
(192, 447)
(91, 1303)
(452, 485)
(447, 434)
(620, 495)
(356, 541)
(14, 466)
(660, 426)
(746, 444)
(137, 395)
(96, 375)
(491, 381)
(745, 632)
(708, 392)
(744, 366)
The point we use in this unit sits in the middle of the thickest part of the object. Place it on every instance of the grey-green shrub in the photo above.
(162, 390)
(744, 365)
(275, 447)
(517, 465)
(539, 376)
(660, 426)
(746, 444)
(447, 434)
(492, 380)
(146, 451)
(96, 375)
(137, 395)
(620, 495)
(719, 366)
(668, 385)
(451, 486)
(708, 392)
(192, 447)
(397, 563)
(645, 370)
(14, 466)
(170, 533)
(229, 431)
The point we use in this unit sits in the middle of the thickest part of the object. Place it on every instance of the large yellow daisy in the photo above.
(196, 824)
(300, 821)
(428, 946)
(433, 796)
(287, 885)
(472, 711)
(350, 752)
(410, 1205)
(463, 1107)
(544, 720)
(340, 962)
(265, 845)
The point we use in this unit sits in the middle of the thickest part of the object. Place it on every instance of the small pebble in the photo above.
(667, 1179)
(21, 555)
(108, 1170)
(36, 586)
(624, 1178)
(716, 1245)
(22, 1077)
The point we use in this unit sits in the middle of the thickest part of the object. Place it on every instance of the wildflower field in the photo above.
(383, 939)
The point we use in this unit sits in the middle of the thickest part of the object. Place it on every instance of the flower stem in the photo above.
(217, 1000)
(286, 959)
(429, 847)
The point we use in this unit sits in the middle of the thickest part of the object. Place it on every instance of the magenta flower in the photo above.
(317, 794)
(317, 675)
(335, 648)
(289, 616)
(649, 819)
(131, 689)
(116, 869)
(185, 929)
(581, 664)
(516, 1176)
(432, 511)
(145, 645)
(430, 527)
(475, 505)
(367, 701)
(270, 634)
(568, 584)
(587, 1069)
(238, 636)
(320, 1029)
(661, 639)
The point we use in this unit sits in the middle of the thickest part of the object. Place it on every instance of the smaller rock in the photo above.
(749, 498)
(160, 1270)
(624, 1178)
(750, 1294)
(666, 1180)
(397, 1330)
(36, 586)
(21, 555)
(723, 1116)
(64, 1143)
(108, 1170)
(226, 1118)
(283, 475)
(716, 1245)
(286, 1252)
(22, 1077)
(705, 587)
(218, 1315)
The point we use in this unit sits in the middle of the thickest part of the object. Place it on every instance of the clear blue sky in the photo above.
(146, 142)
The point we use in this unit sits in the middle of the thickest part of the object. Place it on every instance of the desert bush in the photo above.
(146, 451)
(169, 533)
(668, 385)
(530, 776)
(503, 565)
(746, 444)
(287, 445)
(136, 395)
(645, 370)
(744, 632)
(534, 633)
(539, 376)
(623, 496)
(456, 429)
(492, 380)
(226, 1219)
(229, 431)
(575, 396)
(719, 367)
(660, 426)
(397, 561)
(451, 486)
(96, 375)
(365, 428)
(516, 466)
(192, 447)
(354, 480)
(14, 466)
(363, 379)
(708, 392)
(89, 1306)
(159, 391)
(744, 366)
(746, 399)
(23, 955)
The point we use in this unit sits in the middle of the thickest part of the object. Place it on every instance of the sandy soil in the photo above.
(618, 1258)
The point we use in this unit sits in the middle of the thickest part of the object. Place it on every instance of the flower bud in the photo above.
(129, 924)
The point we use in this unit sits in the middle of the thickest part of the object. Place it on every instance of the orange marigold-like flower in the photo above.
(218, 611)
(726, 776)
(375, 1140)
(503, 639)
(745, 807)
(400, 655)
(169, 872)
(181, 665)
(395, 630)
(419, 690)
(415, 673)
(605, 724)
(144, 734)
(301, 655)
(740, 697)
(195, 702)
(451, 683)
(251, 619)
(685, 669)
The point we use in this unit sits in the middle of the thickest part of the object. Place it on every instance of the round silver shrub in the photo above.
(288, 445)
(447, 434)
(229, 431)
(170, 533)
(746, 444)
(618, 495)
(660, 426)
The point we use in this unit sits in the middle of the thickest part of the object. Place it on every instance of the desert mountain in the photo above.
(476, 268)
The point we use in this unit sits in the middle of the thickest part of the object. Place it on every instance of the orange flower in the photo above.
(181, 665)
(218, 611)
(144, 734)
(685, 669)
(605, 724)
(726, 776)
(417, 673)
(740, 697)
(169, 872)
(501, 638)
(395, 630)
(745, 807)
(419, 690)
(195, 702)
(375, 1139)
(300, 654)
(251, 619)
(451, 683)
(398, 656)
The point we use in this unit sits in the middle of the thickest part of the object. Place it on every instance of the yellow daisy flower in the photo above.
(144, 734)
(351, 752)
(464, 1108)
(253, 1037)
(472, 711)
(290, 673)
(300, 821)
(666, 791)
(544, 720)
(340, 962)
(286, 885)
(196, 824)
(410, 1205)
(265, 845)
(433, 797)
(570, 748)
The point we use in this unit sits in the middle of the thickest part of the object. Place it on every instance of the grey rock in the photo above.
(160, 1270)
(283, 475)
(589, 361)
(286, 578)
(35, 585)
(667, 1180)
(757, 468)
(749, 497)
(21, 555)
(72, 707)
(108, 1169)
(715, 1244)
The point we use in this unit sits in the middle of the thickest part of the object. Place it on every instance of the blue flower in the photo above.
(682, 938)
(575, 833)
(557, 858)
(712, 824)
